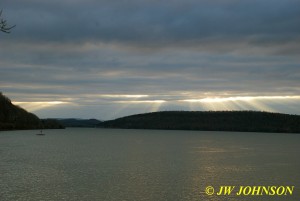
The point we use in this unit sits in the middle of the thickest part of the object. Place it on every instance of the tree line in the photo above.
(243, 121)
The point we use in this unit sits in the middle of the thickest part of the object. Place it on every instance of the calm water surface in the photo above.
(136, 165)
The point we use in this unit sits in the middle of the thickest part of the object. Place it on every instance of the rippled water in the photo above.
(113, 164)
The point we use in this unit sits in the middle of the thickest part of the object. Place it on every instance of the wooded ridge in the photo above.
(243, 121)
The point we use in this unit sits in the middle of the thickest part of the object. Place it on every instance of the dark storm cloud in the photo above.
(93, 52)
(154, 23)
(168, 73)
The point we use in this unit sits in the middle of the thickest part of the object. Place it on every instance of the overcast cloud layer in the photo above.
(105, 59)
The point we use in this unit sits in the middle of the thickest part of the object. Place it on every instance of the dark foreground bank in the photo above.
(13, 117)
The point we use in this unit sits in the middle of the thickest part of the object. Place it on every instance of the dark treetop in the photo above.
(4, 27)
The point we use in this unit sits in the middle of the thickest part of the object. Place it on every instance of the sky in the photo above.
(107, 59)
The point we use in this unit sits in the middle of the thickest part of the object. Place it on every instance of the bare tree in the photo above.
(3, 25)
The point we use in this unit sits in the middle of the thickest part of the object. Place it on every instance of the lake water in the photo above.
(135, 165)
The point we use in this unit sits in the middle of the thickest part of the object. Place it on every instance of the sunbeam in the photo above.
(262, 103)
(35, 106)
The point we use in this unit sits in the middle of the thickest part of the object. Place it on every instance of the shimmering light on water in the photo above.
(112, 164)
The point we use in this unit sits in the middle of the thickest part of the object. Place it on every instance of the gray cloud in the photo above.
(78, 50)
(158, 24)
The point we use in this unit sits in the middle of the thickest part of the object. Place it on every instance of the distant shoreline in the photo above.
(157, 130)
(231, 121)
(148, 129)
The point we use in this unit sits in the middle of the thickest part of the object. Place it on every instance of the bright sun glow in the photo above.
(245, 98)
(123, 96)
(142, 101)
(262, 103)
(34, 106)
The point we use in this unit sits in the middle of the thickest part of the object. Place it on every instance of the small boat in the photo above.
(41, 133)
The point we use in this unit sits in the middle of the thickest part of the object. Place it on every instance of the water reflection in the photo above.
(104, 164)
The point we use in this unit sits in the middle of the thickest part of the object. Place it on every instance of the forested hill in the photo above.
(13, 117)
(244, 121)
